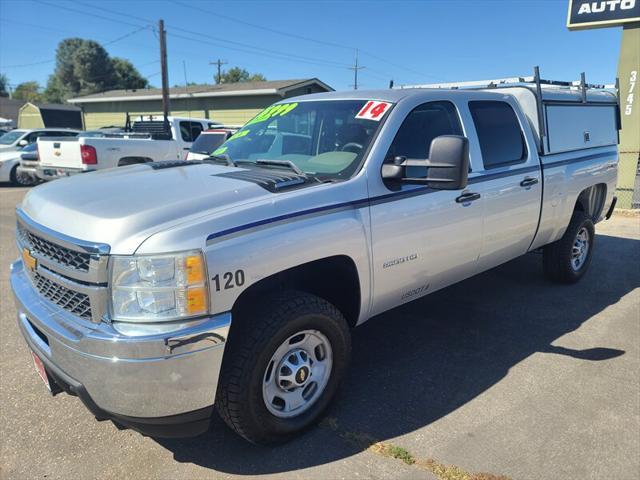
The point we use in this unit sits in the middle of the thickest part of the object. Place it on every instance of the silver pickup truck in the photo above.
(158, 292)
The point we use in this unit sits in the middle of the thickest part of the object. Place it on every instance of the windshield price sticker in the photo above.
(279, 110)
(373, 110)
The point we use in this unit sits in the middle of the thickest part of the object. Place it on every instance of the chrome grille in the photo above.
(74, 302)
(62, 255)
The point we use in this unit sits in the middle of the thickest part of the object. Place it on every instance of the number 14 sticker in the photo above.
(373, 110)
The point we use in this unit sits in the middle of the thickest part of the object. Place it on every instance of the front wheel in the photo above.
(568, 259)
(282, 367)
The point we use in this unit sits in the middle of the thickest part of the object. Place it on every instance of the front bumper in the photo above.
(152, 383)
(52, 173)
(5, 169)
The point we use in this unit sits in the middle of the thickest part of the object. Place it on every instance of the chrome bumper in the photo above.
(51, 173)
(147, 376)
(30, 167)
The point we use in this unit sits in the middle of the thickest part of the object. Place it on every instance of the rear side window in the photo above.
(208, 142)
(422, 125)
(499, 133)
(190, 130)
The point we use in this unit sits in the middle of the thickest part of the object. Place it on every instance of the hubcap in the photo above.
(580, 249)
(297, 373)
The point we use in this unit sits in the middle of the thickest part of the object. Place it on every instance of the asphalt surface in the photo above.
(504, 373)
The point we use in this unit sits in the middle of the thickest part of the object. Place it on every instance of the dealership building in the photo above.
(231, 104)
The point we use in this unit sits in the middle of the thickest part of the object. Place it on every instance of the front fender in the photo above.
(270, 249)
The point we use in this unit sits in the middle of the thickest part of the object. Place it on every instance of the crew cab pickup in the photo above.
(147, 142)
(158, 292)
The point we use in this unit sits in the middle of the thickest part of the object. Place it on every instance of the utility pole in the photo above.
(219, 63)
(165, 75)
(355, 69)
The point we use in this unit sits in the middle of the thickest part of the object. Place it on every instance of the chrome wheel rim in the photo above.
(23, 179)
(580, 249)
(297, 373)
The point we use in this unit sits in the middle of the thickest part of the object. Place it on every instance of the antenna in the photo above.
(355, 69)
(186, 85)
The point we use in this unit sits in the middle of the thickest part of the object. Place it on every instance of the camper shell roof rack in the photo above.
(545, 91)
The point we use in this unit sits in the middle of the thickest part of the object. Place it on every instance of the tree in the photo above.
(28, 91)
(237, 74)
(127, 76)
(84, 67)
(93, 68)
(55, 91)
(4, 84)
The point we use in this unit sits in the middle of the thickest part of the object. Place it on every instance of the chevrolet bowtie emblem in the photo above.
(28, 259)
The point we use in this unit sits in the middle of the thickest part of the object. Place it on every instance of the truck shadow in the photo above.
(418, 363)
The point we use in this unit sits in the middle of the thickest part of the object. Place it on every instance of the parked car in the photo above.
(147, 142)
(17, 139)
(208, 141)
(236, 281)
(10, 167)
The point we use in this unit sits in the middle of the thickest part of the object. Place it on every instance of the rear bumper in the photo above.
(161, 384)
(30, 167)
(51, 173)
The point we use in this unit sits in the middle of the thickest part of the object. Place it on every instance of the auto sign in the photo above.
(585, 14)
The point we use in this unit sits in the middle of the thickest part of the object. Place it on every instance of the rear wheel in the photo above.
(282, 367)
(568, 259)
(21, 179)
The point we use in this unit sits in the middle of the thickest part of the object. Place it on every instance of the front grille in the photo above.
(62, 255)
(74, 302)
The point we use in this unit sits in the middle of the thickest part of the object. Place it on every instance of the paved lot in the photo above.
(503, 373)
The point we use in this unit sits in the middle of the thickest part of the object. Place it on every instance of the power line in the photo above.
(252, 52)
(309, 39)
(199, 35)
(71, 9)
(262, 27)
(43, 62)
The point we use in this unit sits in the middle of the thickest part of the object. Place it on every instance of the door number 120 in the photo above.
(229, 280)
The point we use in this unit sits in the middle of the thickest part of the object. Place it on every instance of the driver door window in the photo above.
(422, 125)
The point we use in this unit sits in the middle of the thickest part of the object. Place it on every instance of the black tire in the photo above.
(20, 179)
(557, 256)
(253, 341)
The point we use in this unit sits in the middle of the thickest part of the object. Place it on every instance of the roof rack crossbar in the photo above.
(514, 81)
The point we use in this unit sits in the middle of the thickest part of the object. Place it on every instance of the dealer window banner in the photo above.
(608, 13)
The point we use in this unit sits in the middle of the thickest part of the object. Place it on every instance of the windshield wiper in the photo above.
(224, 158)
(282, 163)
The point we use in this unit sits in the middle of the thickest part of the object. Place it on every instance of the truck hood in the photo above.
(123, 206)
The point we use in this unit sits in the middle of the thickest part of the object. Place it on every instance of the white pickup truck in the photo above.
(147, 142)
(235, 281)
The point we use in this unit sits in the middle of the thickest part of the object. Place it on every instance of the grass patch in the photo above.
(365, 441)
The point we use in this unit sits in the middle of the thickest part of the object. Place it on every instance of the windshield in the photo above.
(327, 139)
(208, 142)
(11, 137)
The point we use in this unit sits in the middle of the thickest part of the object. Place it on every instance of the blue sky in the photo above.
(409, 41)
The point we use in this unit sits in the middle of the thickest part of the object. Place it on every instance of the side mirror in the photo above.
(23, 143)
(448, 164)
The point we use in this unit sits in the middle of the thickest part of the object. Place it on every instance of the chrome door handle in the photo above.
(467, 197)
(528, 181)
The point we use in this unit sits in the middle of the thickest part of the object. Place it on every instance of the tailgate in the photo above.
(60, 152)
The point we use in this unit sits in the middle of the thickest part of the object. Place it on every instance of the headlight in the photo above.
(156, 288)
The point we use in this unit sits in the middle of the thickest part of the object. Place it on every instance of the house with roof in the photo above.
(227, 103)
